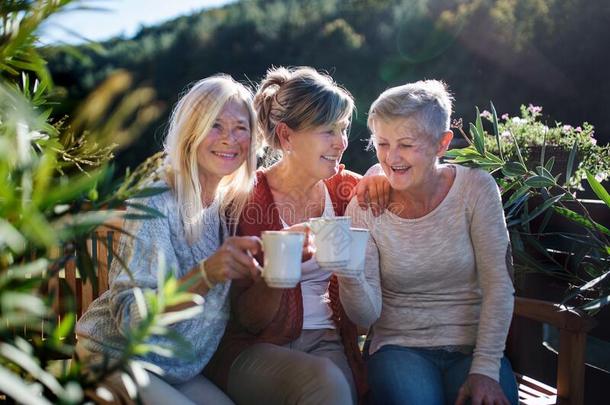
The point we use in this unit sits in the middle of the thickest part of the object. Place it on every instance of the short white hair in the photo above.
(428, 102)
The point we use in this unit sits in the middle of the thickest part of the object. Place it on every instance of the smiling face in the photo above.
(227, 144)
(408, 157)
(317, 151)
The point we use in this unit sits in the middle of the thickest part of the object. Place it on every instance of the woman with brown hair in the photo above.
(295, 345)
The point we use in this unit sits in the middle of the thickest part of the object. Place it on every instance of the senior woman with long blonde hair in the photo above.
(438, 255)
(211, 158)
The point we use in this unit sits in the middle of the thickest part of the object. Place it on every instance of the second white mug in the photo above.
(357, 253)
(332, 240)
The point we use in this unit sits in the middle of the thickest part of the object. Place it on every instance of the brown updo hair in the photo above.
(302, 98)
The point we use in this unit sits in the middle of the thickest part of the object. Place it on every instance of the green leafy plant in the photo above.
(535, 194)
(56, 186)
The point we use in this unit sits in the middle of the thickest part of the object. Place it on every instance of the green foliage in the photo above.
(508, 50)
(56, 186)
(533, 193)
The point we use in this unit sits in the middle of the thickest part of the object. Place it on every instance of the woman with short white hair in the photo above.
(209, 171)
(439, 256)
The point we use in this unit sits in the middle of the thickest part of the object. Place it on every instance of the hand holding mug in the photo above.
(234, 260)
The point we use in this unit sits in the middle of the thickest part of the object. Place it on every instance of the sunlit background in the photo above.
(110, 18)
(510, 52)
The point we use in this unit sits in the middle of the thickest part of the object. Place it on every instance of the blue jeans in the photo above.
(413, 376)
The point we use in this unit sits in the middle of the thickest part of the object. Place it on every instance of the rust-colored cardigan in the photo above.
(255, 315)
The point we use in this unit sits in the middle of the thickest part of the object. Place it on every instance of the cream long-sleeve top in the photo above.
(439, 280)
(105, 325)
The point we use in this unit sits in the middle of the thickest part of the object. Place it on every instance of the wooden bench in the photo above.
(573, 326)
(69, 292)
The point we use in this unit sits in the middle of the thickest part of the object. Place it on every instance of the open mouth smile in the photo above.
(400, 169)
(226, 155)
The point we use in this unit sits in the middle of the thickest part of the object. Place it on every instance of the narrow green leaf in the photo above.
(571, 161)
(517, 195)
(72, 189)
(539, 181)
(65, 327)
(514, 169)
(24, 271)
(11, 237)
(146, 209)
(477, 138)
(549, 164)
(35, 226)
(479, 122)
(468, 151)
(596, 304)
(517, 148)
(540, 209)
(594, 282)
(494, 116)
(43, 176)
(598, 189)
(545, 173)
(581, 220)
(149, 192)
(16, 388)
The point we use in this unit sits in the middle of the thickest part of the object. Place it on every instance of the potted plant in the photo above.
(522, 154)
(529, 132)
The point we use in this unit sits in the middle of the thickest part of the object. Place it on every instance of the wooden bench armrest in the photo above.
(562, 317)
(573, 327)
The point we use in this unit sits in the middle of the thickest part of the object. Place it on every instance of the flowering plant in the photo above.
(528, 131)
(534, 194)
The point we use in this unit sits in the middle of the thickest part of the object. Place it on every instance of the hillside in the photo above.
(546, 52)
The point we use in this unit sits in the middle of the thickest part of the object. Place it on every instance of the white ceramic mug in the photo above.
(357, 253)
(283, 251)
(332, 239)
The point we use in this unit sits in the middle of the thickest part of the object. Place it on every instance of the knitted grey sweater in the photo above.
(103, 328)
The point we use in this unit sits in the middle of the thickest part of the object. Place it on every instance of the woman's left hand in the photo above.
(373, 191)
(481, 390)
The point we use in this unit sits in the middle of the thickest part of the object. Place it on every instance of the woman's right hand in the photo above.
(373, 191)
(234, 259)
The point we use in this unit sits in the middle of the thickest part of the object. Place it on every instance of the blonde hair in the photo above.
(191, 121)
(302, 98)
(427, 101)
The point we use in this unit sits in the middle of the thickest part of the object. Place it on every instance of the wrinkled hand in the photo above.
(373, 192)
(308, 246)
(481, 390)
(234, 259)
